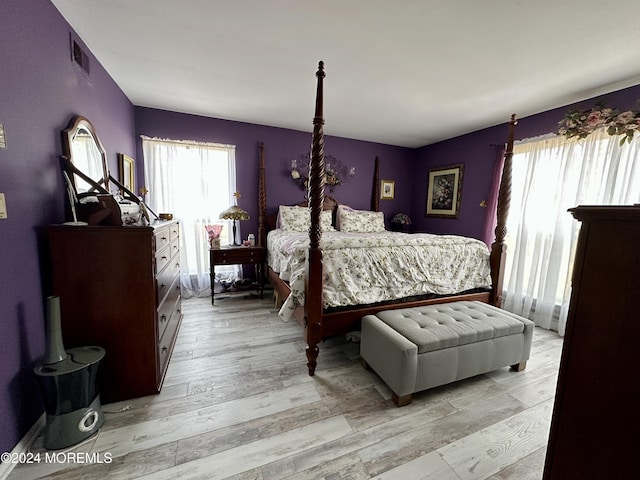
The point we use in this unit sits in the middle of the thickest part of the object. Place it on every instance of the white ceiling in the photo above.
(399, 72)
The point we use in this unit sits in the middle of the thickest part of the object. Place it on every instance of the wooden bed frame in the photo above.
(320, 323)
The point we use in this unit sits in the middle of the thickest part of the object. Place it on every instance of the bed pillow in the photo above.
(294, 219)
(326, 221)
(360, 221)
(298, 219)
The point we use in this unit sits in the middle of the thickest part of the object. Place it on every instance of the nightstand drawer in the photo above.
(234, 256)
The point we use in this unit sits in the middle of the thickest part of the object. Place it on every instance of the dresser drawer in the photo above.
(165, 345)
(162, 239)
(162, 259)
(166, 278)
(174, 232)
(175, 247)
(167, 308)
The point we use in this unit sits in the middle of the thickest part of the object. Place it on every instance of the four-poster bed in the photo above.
(321, 321)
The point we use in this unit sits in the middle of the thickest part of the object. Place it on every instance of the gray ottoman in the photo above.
(413, 349)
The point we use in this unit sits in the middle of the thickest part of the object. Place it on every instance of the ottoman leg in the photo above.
(518, 367)
(401, 401)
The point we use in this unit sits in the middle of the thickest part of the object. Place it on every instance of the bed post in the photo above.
(313, 288)
(262, 199)
(375, 191)
(499, 248)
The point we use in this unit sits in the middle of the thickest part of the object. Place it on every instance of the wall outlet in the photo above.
(3, 207)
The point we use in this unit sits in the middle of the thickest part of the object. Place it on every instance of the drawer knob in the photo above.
(164, 350)
(163, 318)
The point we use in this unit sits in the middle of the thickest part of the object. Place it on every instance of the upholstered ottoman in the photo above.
(413, 349)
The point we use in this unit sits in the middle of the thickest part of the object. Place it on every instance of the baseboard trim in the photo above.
(23, 445)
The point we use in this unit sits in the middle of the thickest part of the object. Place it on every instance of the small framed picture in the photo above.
(126, 167)
(443, 191)
(387, 189)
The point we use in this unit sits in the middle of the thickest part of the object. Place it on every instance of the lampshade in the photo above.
(234, 212)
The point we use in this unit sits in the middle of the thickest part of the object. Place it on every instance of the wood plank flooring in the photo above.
(237, 403)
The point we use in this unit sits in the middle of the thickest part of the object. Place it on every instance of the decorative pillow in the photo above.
(298, 219)
(326, 221)
(360, 221)
(339, 212)
(294, 219)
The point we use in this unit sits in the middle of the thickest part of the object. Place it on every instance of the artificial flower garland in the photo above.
(581, 123)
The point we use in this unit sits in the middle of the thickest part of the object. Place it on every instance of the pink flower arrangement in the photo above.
(213, 231)
(581, 123)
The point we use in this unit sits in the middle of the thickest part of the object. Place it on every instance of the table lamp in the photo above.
(234, 213)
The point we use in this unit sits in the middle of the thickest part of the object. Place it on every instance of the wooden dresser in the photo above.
(119, 288)
(595, 423)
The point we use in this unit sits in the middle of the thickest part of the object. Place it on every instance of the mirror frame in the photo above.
(68, 134)
(101, 186)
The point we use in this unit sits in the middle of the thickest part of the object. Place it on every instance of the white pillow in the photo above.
(326, 221)
(360, 221)
(294, 219)
(298, 219)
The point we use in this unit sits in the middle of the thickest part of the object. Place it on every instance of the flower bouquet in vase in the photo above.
(401, 223)
(213, 232)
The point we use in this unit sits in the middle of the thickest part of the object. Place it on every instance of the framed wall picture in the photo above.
(443, 191)
(126, 170)
(387, 189)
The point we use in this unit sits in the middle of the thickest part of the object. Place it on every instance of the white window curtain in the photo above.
(551, 175)
(195, 182)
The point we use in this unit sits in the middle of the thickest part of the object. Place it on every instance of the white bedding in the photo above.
(363, 268)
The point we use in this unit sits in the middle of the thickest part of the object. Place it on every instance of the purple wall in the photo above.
(40, 90)
(477, 151)
(280, 146)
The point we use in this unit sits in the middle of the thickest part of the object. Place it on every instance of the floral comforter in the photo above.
(362, 268)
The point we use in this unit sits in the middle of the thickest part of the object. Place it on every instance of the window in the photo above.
(194, 181)
(551, 175)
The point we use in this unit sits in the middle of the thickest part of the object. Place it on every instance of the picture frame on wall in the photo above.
(443, 191)
(387, 189)
(126, 171)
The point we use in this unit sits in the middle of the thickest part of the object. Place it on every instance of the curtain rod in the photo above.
(546, 136)
(192, 143)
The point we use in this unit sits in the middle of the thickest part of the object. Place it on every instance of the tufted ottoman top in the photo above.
(434, 327)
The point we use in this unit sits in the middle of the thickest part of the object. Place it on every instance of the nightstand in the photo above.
(232, 255)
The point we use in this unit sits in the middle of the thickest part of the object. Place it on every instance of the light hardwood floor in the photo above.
(237, 403)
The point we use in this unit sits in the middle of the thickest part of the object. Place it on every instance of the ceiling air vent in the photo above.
(79, 56)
